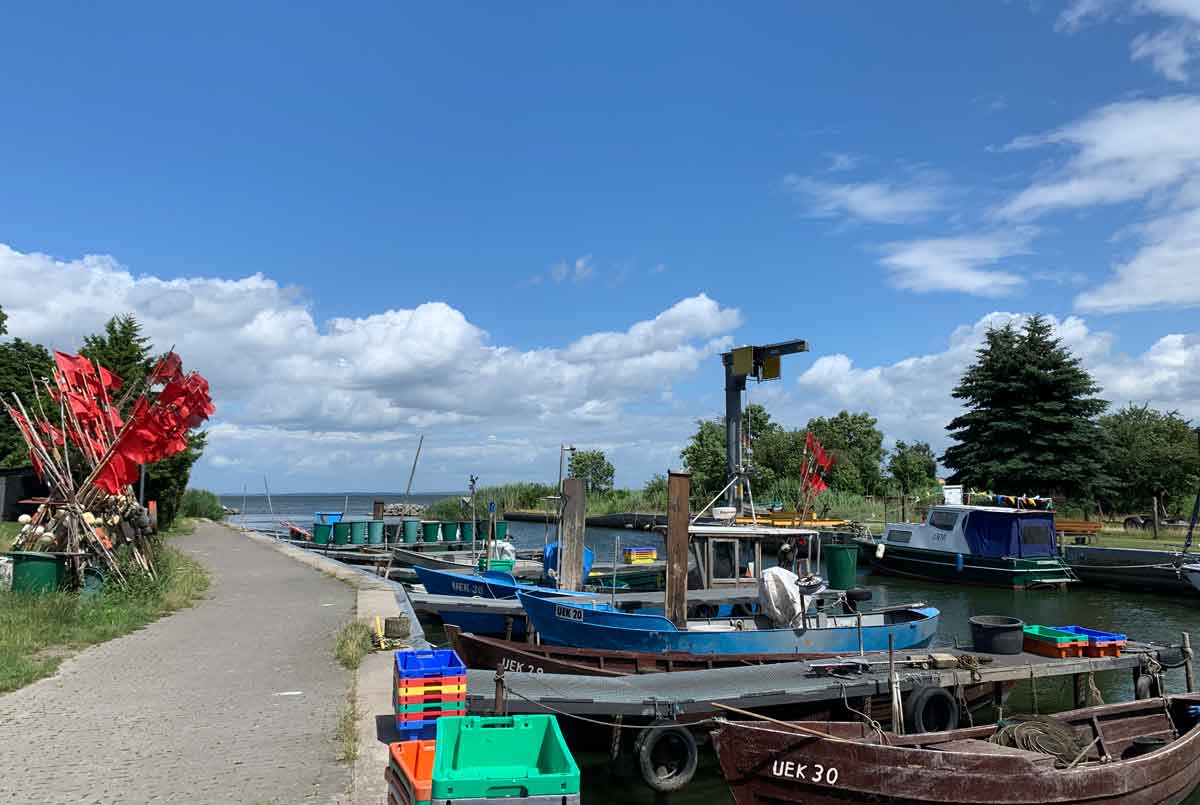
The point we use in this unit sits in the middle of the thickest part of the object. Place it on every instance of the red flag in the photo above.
(74, 368)
(817, 484)
(168, 368)
(823, 459)
(54, 433)
(116, 474)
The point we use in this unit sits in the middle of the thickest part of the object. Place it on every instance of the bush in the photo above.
(201, 503)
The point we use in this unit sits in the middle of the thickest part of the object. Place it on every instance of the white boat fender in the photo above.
(879, 549)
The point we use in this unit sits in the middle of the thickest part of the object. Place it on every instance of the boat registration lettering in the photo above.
(809, 772)
(509, 664)
(568, 613)
(464, 587)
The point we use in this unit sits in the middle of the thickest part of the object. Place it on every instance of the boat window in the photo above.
(746, 558)
(1036, 534)
(899, 536)
(943, 520)
(724, 559)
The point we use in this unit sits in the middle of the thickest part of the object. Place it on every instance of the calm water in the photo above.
(1142, 617)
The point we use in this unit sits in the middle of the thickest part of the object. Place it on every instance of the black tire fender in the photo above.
(929, 708)
(674, 743)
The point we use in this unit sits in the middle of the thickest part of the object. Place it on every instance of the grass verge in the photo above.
(346, 734)
(37, 632)
(353, 643)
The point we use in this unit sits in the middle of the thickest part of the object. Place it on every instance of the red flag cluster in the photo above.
(818, 463)
(158, 429)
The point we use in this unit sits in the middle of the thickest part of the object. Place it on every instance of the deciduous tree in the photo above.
(1149, 454)
(594, 469)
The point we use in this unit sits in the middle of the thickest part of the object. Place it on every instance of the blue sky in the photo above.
(371, 224)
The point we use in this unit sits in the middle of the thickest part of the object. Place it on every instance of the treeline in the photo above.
(122, 349)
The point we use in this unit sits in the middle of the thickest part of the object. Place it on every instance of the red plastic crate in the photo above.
(432, 698)
(430, 684)
(1055, 650)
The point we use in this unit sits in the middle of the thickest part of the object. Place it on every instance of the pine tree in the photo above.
(1030, 425)
(121, 349)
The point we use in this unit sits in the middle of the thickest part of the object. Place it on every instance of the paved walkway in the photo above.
(234, 700)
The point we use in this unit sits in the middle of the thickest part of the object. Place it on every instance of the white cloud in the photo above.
(839, 161)
(1169, 50)
(962, 264)
(364, 384)
(882, 202)
(1165, 272)
(1121, 152)
(911, 397)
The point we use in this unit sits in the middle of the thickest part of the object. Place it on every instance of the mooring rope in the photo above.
(1041, 734)
(613, 724)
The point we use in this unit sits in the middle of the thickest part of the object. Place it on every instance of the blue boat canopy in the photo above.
(1011, 534)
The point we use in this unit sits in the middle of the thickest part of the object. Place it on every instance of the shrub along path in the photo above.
(236, 699)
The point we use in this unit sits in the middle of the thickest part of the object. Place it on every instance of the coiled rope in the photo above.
(1041, 734)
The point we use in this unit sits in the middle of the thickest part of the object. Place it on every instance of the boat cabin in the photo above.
(986, 531)
(722, 555)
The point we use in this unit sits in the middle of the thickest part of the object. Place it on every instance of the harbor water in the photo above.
(1145, 617)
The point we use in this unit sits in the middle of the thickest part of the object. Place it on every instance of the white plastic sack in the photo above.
(503, 549)
(779, 598)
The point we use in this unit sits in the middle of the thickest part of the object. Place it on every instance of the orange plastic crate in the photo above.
(1055, 650)
(431, 684)
(1104, 649)
(412, 764)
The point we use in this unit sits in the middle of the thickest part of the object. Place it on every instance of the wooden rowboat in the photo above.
(770, 763)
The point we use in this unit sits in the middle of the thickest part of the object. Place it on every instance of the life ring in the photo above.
(930, 709)
(666, 756)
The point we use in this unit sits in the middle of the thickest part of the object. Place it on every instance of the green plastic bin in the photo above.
(375, 532)
(501, 529)
(341, 533)
(35, 573)
(322, 532)
(841, 565)
(1048, 635)
(429, 530)
(449, 530)
(466, 530)
(412, 530)
(358, 532)
(502, 756)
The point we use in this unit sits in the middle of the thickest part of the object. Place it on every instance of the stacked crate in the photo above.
(427, 685)
(1053, 643)
(640, 556)
(1099, 644)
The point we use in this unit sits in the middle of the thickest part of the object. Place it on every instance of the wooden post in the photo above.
(1154, 518)
(1080, 691)
(1189, 673)
(570, 550)
(679, 485)
(377, 510)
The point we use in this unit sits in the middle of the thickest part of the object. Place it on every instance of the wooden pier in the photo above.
(689, 695)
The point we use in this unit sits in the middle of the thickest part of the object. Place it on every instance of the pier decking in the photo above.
(687, 695)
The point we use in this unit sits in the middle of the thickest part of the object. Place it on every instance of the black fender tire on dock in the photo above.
(930, 709)
(666, 757)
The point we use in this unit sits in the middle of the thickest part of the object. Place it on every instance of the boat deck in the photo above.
(427, 602)
(687, 695)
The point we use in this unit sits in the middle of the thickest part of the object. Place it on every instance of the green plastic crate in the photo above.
(502, 756)
(1049, 635)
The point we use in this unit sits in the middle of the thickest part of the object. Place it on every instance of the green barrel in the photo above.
(466, 530)
(322, 532)
(449, 530)
(501, 529)
(412, 530)
(429, 530)
(35, 573)
(375, 532)
(841, 565)
(358, 532)
(341, 533)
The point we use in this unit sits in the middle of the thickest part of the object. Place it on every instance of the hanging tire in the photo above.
(930, 709)
(666, 757)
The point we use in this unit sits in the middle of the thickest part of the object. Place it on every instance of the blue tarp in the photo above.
(1004, 534)
(550, 558)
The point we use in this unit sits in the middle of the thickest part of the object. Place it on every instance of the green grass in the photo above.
(346, 735)
(8, 532)
(38, 632)
(352, 644)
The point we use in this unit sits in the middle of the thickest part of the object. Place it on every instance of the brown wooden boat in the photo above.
(770, 763)
(478, 651)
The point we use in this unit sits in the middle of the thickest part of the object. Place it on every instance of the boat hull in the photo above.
(562, 623)
(764, 763)
(1014, 573)
(464, 584)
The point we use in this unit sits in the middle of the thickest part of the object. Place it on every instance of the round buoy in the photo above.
(666, 756)
(930, 709)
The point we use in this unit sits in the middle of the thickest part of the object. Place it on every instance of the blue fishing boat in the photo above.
(494, 584)
(595, 624)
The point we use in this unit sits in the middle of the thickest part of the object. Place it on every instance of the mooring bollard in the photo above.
(501, 703)
(1189, 673)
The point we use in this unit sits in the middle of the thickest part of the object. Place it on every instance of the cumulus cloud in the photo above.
(1165, 272)
(282, 378)
(877, 201)
(964, 264)
(911, 397)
